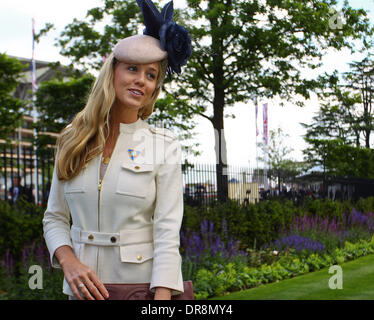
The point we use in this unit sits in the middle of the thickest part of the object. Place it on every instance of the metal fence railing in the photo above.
(246, 185)
(200, 184)
(18, 175)
(17, 160)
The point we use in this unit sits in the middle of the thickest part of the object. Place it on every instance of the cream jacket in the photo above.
(125, 227)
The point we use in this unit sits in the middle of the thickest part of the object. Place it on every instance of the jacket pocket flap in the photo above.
(138, 167)
(137, 253)
(142, 235)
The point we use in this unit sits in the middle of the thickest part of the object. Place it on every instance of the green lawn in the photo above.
(358, 284)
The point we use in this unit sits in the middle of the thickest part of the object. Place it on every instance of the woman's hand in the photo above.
(162, 293)
(82, 280)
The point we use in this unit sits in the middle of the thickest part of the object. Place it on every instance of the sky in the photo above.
(240, 133)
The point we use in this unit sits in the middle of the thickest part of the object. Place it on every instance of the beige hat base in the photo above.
(139, 49)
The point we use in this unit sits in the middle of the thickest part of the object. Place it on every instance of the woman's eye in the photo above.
(133, 68)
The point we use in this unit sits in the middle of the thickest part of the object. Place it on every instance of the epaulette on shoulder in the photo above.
(163, 132)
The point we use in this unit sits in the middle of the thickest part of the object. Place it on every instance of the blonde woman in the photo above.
(116, 201)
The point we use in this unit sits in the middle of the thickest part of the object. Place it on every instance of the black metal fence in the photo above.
(18, 175)
(18, 178)
(200, 184)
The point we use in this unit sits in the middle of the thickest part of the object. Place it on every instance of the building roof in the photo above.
(44, 71)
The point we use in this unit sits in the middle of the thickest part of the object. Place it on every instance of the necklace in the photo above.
(106, 160)
(110, 147)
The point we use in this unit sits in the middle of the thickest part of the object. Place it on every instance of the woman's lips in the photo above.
(132, 91)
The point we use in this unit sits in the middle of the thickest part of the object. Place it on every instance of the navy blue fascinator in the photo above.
(174, 38)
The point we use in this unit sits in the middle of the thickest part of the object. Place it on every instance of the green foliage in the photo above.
(345, 160)
(11, 117)
(81, 40)
(20, 224)
(365, 204)
(325, 208)
(340, 159)
(57, 102)
(343, 122)
(21, 246)
(255, 258)
(15, 286)
(258, 223)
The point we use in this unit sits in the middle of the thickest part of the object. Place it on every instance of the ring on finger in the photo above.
(81, 285)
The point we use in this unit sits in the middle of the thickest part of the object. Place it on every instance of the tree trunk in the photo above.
(218, 107)
(367, 125)
(221, 155)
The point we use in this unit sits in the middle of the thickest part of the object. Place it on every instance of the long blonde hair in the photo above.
(84, 138)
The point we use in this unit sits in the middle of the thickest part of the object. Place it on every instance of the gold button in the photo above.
(90, 237)
(137, 167)
(139, 257)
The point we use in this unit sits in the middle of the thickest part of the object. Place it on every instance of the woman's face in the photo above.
(134, 83)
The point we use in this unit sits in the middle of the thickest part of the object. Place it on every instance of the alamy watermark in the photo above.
(36, 280)
(336, 281)
(164, 150)
(336, 20)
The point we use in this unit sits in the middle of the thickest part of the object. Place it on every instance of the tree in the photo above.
(241, 49)
(10, 107)
(350, 161)
(347, 109)
(329, 126)
(57, 102)
(251, 49)
(343, 122)
(360, 81)
(342, 160)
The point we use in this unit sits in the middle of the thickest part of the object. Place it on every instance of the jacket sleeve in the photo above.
(56, 220)
(168, 214)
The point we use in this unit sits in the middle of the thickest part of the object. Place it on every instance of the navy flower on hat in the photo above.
(174, 38)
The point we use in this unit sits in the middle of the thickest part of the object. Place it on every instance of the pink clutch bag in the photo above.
(140, 291)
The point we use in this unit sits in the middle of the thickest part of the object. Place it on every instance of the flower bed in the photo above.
(234, 276)
(218, 264)
(224, 248)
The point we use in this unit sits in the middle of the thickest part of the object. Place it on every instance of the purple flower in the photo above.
(25, 256)
(298, 243)
(224, 228)
(8, 263)
(40, 254)
(196, 245)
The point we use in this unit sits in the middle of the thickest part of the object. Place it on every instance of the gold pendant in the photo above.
(106, 160)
